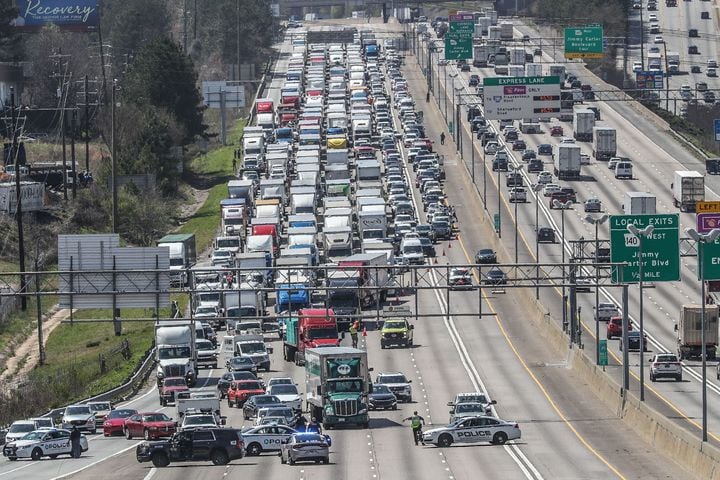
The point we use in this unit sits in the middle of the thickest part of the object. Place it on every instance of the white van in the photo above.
(624, 169)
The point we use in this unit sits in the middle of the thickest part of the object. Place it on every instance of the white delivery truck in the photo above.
(688, 188)
(566, 157)
(639, 203)
(583, 124)
(604, 143)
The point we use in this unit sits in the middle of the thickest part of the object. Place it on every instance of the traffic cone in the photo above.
(443, 252)
(364, 331)
(449, 245)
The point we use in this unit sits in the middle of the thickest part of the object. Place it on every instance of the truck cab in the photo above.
(397, 330)
(337, 383)
(310, 328)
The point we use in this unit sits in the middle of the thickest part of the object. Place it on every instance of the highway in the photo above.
(567, 432)
(654, 163)
(675, 23)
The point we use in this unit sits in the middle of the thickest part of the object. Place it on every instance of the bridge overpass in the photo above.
(298, 7)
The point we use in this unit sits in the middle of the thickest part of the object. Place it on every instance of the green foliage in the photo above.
(147, 135)
(219, 29)
(129, 24)
(611, 14)
(144, 216)
(164, 77)
(92, 210)
(8, 37)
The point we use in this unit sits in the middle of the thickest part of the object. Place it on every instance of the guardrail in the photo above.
(122, 392)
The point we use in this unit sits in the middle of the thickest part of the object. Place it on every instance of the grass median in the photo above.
(216, 169)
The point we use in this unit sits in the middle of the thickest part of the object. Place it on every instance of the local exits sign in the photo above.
(521, 97)
(660, 249)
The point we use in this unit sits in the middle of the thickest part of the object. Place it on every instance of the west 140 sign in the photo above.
(521, 97)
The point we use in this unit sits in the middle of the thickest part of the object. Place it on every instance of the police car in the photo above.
(473, 430)
(268, 438)
(49, 442)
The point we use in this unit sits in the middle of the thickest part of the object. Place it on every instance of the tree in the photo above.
(130, 24)
(146, 135)
(164, 77)
(40, 48)
(9, 39)
(219, 27)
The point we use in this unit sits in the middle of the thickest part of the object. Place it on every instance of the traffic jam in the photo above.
(341, 173)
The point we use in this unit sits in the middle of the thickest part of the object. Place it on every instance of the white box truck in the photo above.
(583, 124)
(688, 188)
(604, 143)
(566, 157)
(639, 203)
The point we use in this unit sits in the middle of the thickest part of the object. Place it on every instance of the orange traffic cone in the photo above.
(364, 331)
(449, 245)
(443, 252)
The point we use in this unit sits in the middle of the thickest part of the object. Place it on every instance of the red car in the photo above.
(556, 131)
(241, 390)
(614, 327)
(114, 424)
(149, 425)
(173, 388)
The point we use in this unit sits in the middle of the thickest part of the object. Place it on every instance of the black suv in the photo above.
(219, 445)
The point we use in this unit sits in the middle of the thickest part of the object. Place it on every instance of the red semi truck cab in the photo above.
(311, 328)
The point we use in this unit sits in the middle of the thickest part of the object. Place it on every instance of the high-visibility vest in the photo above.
(416, 421)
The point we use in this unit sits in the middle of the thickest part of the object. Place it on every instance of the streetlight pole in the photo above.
(640, 234)
(516, 171)
(702, 240)
(537, 188)
(597, 221)
(563, 206)
(499, 230)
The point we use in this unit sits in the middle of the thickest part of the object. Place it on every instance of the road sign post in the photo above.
(584, 42)
(521, 97)
(602, 348)
(660, 249)
(459, 37)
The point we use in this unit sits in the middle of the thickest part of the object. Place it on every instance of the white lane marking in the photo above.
(65, 475)
(513, 450)
(472, 372)
(151, 473)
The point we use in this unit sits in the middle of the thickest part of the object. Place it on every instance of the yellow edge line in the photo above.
(538, 383)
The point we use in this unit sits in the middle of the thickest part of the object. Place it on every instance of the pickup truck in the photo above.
(606, 311)
(219, 445)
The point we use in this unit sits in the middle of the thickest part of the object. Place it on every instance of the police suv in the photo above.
(49, 442)
(473, 430)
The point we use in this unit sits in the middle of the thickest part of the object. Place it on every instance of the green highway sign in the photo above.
(660, 249)
(706, 222)
(603, 353)
(584, 42)
(459, 37)
(711, 260)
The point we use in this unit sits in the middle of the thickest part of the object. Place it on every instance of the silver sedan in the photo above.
(305, 447)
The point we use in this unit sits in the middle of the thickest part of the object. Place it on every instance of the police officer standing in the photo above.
(314, 426)
(75, 442)
(416, 422)
(354, 333)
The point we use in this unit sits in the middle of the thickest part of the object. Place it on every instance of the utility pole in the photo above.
(185, 22)
(58, 72)
(114, 161)
(237, 7)
(18, 212)
(73, 122)
(86, 103)
(87, 128)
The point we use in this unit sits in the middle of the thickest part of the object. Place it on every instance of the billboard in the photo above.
(69, 14)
